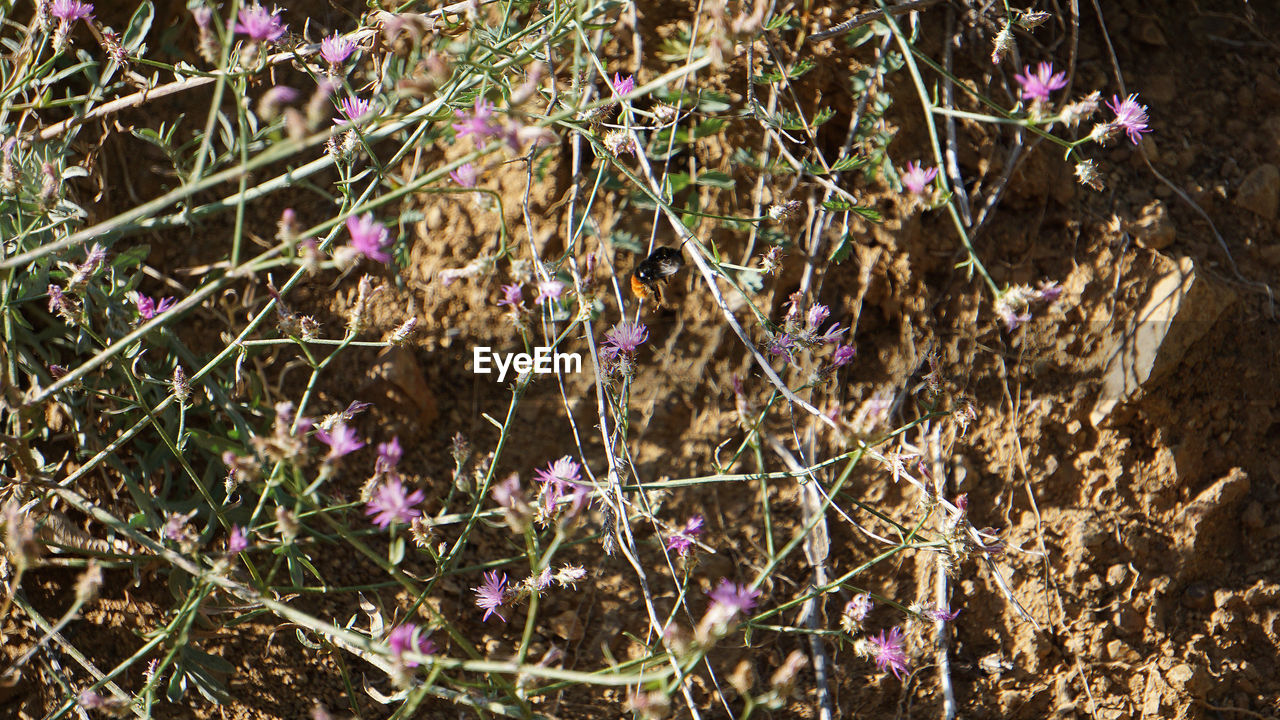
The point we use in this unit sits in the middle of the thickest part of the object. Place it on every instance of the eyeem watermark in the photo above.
(543, 360)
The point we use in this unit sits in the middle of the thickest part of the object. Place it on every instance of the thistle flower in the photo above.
(1087, 174)
(390, 503)
(352, 110)
(369, 238)
(335, 49)
(1131, 117)
(842, 355)
(916, 178)
(389, 455)
(556, 479)
(148, 308)
(783, 345)
(683, 538)
(855, 613)
(619, 142)
(623, 85)
(68, 12)
(512, 295)
(237, 540)
(181, 386)
(1003, 43)
(341, 441)
(402, 639)
(259, 24)
(1038, 85)
(887, 652)
(478, 123)
(728, 600)
(491, 595)
(549, 291)
(937, 614)
(625, 337)
(465, 175)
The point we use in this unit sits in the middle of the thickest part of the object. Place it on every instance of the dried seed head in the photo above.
(1032, 19)
(181, 388)
(1087, 174)
(1003, 43)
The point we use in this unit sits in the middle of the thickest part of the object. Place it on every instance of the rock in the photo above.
(567, 625)
(395, 382)
(1154, 228)
(1260, 191)
(1180, 307)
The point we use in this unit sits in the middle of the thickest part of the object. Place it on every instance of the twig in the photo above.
(870, 17)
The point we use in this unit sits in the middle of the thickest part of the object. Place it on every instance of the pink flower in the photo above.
(391, 504)
(557, 477)
(682, 540)
(389, 455)
(729, 599)
(335, 49)
(401, 640)
(888, 653)
(549, 290)
(1130, 116)
(148, 308)
(492, 594)
(939, 614)
(342, 441)
(69, 11)
(623, 85)
(478, 123)
(466, 175)
(259, 24)
(352, 109)
(511, 295)
(782, 345)
(916, 178)
(369, 238)
(1043, 82)
(625, 337)
(842, 355)
(237, 540)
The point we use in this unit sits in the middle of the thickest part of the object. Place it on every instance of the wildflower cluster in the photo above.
(807, 331)
(618, 351)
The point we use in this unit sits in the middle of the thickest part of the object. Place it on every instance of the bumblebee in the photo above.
(649, 277)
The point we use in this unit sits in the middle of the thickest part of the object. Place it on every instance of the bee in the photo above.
(649, 277)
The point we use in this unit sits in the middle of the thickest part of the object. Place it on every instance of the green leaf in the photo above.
(848, 163)
(870, 214)
(678, 181)
(709, 127)
(837, 205)
(716, 179)
(139, 25)
(842, 250)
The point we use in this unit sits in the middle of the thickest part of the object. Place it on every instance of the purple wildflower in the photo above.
(842, 355)
(148, 308)
(391, 504)
(466, 175)
(818, 314)
(888, 653)
(916, 178)
(69, 11)
(369, 237)
(682, 540)
(940, 615)
(479, 122)
(335, 49)
(558, 475)
(729, 599)
(1038, 86)
(1130, 116)
(259, 24)
(623, 85)
(492, 594)
(511, 295)
(782, 345)
(342, 441)
(352, 109)
(389, 455)
(625, 337)
(856, 612)
(549, 290)
(237, 540)
(401, 640)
